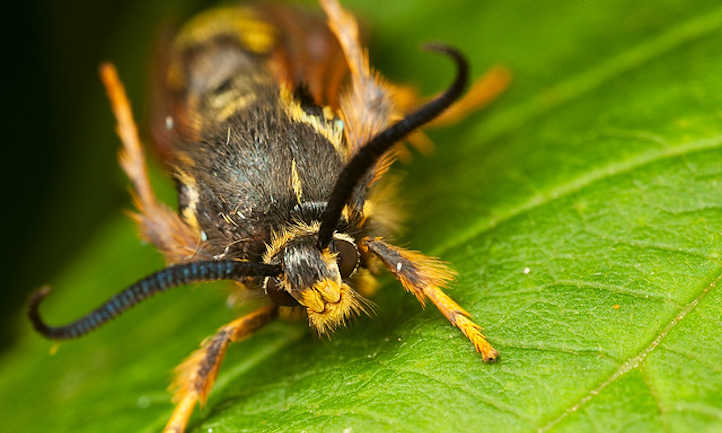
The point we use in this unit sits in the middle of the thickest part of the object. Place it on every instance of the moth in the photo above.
(278, 133)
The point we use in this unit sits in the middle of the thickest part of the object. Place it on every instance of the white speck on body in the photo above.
(222, 255)
(527, 270)
(143, 402)
(204, 236)
(398, 266)
(347, 430)
(168, 122)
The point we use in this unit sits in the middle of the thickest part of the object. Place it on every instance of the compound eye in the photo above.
(348, 256)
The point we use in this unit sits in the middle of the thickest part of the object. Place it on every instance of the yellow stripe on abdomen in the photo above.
(243, 23)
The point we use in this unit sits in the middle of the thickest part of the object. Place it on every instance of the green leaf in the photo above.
(582, 212)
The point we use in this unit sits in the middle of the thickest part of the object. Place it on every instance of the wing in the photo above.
(294, 45)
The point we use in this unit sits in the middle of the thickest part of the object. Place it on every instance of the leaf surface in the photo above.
(582, 212)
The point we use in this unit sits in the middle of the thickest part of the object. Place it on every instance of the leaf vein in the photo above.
(568, 90)
(691, 356)
(651, 245)
(545, 347)
(576, 184)
(698, 408)
(653, 392)
(634, 362)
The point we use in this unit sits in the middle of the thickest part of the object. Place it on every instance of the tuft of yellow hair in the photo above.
(334, 315)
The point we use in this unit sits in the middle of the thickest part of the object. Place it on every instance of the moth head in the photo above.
(317, 279)
(328, 260)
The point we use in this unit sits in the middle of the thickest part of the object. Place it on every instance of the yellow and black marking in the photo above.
(315, 279)
(277, 131)
(326, 124)
(188, 198)
(425, 277)
(243, 23)
(230, 103)
(296, 183)
(281, 238)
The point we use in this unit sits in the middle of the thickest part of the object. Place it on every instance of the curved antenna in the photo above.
(160, 281)
(367, 156)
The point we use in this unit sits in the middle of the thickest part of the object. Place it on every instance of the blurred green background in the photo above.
(60, 171)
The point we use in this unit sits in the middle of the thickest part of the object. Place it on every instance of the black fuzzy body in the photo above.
(241, 167)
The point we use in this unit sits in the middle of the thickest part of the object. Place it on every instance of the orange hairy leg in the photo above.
(483, 91)
(373, 102)
(367, 107)
(158, 224)
(195, 376)
(425, 277)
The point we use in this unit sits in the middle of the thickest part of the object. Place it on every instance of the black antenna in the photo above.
(367, 156)
(160, 281)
